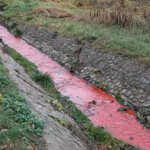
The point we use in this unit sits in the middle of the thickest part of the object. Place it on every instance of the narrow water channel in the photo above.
(100, 107)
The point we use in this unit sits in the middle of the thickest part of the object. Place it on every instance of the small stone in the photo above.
(122, 109)
(131, 138)
(141, 91)
(142, 100)
(144, 96)
(148, 109)
(131, 96)
(132, 82)
(148, 118)
(93, 76)
(134, 100)
(144, 81)
(138, 96)
(123, 91)
(146, 104)
(117, 83)
(148, 97)
(113, 77)
(130, 74)
(134, 89)
(93, 102)
(82, 71)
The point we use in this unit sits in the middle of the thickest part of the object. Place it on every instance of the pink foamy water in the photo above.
(122, 125)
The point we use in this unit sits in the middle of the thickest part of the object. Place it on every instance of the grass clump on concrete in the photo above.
(120, 99)
(142, 116)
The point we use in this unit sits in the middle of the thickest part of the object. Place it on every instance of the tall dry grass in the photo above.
(51, 12)
(119, 12)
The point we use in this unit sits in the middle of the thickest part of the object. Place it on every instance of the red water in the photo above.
(122, 125)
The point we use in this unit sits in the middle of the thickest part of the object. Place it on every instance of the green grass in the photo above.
(119, 98)
(141, 113)
(31, 69)
(96, 134)
(15, 114)
(130, 42)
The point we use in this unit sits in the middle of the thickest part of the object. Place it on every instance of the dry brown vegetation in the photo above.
(121, 12)
(51, 12)
(125, 13)
(64, 3)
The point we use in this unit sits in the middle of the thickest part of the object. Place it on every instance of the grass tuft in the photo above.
(119, 98)
(17, 33)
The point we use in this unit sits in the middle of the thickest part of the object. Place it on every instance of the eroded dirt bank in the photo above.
(103, 112)
(56, 136)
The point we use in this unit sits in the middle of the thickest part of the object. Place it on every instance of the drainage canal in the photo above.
(101, 108)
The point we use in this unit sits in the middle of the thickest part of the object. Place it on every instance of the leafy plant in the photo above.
(17, 33)
(16, 119)
(120, 99)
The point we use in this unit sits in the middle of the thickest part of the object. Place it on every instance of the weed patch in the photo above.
(120, 99)
(61, 121)
(102, 85)
(15, 115)
(142, 115)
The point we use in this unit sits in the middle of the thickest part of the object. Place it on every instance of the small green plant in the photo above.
(16, 119)
(56, 103)
(61, 121)
(142, 115)
(12, 26)
(119, 98)
(17, 33)
(29, 18)
(43, 79)
(104, 86)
